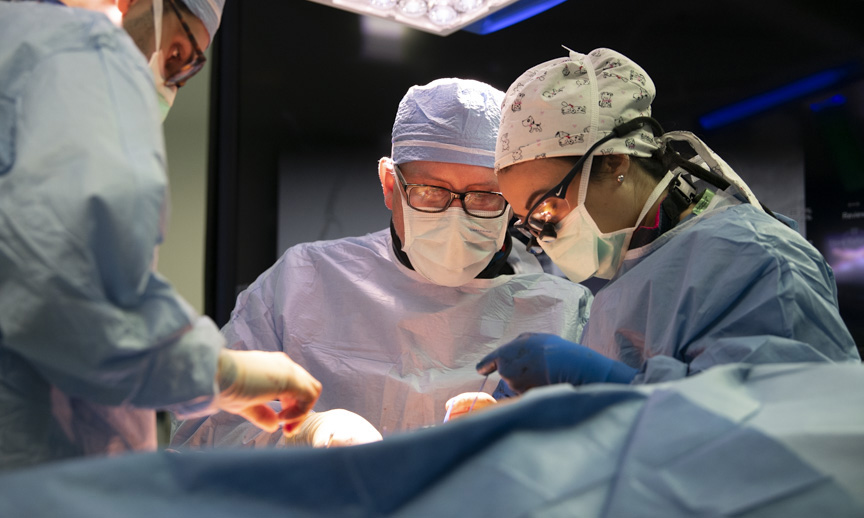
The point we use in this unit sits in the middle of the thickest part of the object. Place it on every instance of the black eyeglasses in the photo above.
(431, 198)
(539, 224)
(179, 77)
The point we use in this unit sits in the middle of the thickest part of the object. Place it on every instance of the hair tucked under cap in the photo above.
(208, 11)
(448, 120)
(562, 106)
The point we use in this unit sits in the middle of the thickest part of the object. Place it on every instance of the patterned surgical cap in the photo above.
(561, 107)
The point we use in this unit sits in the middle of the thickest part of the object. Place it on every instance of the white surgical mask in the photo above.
(581, 251)
(450, 248)
(165, 93)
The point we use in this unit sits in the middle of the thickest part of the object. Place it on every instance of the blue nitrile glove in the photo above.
(503, 391)
(536, 359)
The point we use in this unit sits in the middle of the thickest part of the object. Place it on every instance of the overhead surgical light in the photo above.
(440, 17)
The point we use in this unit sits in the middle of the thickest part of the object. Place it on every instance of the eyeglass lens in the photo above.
(549, 212)
(195, 64)
(435, 199)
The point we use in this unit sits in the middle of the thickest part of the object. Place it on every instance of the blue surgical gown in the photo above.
(385, 342)
(730, 285)
(91, 339)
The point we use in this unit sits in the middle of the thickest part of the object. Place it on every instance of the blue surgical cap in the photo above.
(448, 120)
(208, 11)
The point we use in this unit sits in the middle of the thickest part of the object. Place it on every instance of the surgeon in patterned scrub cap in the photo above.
(701, 273)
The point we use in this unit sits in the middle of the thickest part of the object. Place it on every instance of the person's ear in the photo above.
(385, 174)
(124, 5)
(614, 165)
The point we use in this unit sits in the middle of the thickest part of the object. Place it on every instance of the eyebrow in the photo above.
(426, 177)
(532, 199)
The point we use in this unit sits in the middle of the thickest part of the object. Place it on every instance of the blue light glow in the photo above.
(760, 103)
(834, 100)
(510, 15)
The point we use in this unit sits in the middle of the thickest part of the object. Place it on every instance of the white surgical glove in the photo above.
(249, 379)
(333, 428)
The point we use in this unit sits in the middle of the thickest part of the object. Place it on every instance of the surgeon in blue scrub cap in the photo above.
(392, 322)
(700, 272)
(92, 340)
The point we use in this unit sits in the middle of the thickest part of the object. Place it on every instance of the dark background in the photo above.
(298, 82)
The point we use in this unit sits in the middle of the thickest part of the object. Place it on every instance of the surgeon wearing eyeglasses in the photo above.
(92, 340)
(392, 322)
(700, 272)
(179, 57)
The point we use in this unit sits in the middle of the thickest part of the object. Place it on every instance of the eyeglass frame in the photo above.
(194, 65)
(548, 232)
(558, 191)
(453, 196)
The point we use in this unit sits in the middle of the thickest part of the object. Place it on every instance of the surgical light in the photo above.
(413, 8)
(442, 13)
(440, 17)
(464, 6)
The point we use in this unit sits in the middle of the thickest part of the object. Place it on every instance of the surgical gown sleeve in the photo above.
(81, 210)
(251, 327)
(255, 324)
(730, 286)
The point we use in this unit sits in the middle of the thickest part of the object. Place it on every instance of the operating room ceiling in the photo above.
(304, 87)
(319, 76)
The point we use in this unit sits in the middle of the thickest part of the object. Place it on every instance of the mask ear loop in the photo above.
(157, 26)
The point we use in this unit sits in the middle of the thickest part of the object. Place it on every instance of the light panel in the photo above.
(441, 17)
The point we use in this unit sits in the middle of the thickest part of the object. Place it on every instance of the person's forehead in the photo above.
(533, 171)
(449, 172)
(526, 181)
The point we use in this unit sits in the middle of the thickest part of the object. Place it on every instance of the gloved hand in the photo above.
(334, 428)
(536, 359)
(249, 379)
